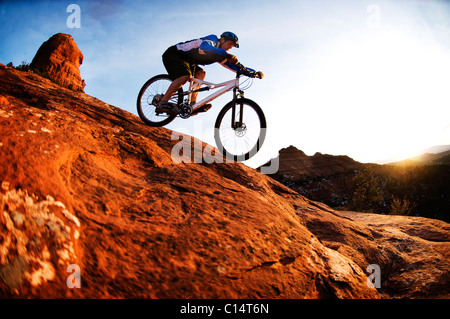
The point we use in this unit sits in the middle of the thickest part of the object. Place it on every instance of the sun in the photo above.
(383, 95)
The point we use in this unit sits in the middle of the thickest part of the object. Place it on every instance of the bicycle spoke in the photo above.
(155, 87)
(239, 141)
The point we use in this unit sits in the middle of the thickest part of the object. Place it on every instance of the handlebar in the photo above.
(242, 70)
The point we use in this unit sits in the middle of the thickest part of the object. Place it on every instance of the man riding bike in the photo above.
(181, 62)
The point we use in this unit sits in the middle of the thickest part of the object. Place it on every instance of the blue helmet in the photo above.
(231, 36)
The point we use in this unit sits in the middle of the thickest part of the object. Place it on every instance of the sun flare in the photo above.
(385, 94)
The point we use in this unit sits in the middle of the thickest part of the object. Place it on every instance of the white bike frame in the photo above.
(195, 84)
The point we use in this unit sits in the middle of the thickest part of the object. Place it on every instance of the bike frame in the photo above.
(194, 86)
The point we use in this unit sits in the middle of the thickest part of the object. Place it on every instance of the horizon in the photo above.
(366, 79)
(436, 149)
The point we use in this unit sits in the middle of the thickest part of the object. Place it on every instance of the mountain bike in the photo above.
(240, 127)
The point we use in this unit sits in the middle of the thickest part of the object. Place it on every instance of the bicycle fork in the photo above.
(237, 123)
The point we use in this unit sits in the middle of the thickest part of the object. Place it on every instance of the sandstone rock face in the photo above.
(60, 58)
(85, 183)
(412, 252)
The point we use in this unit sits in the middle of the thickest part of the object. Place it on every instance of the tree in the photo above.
(366, 195)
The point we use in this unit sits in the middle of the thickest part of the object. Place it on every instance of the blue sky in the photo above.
(368, 79)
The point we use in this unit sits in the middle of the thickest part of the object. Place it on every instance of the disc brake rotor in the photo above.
(241, 130)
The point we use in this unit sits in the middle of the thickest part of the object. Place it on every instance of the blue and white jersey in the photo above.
(204, 51)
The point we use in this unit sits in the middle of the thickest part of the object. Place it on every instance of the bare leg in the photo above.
(200, 74)
(174, 86)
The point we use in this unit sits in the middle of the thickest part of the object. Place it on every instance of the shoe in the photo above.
(201, 109)
(166, 107)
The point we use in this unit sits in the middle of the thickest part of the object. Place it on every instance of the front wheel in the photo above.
(240, 129)
(150, 95)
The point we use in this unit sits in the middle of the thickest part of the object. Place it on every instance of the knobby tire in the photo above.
(225, 141)
(146, 110)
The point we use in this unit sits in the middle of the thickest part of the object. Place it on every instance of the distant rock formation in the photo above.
(59, 58)
(295, 164)
(85, 183)
(442, 158)
(422, 181)
(321, 177)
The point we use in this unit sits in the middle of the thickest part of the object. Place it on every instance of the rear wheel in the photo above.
(240, 131)
(150, 95)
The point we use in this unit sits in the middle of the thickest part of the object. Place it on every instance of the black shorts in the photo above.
(176, 66)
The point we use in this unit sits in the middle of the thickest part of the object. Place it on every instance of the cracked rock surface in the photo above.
(86, 183)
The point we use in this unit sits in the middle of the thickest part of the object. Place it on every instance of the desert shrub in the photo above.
(24, 66)
(401, 206)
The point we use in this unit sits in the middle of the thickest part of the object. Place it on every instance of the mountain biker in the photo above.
(181, 62)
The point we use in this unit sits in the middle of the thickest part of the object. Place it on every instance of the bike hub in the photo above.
(241, 130)
(156, 99)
